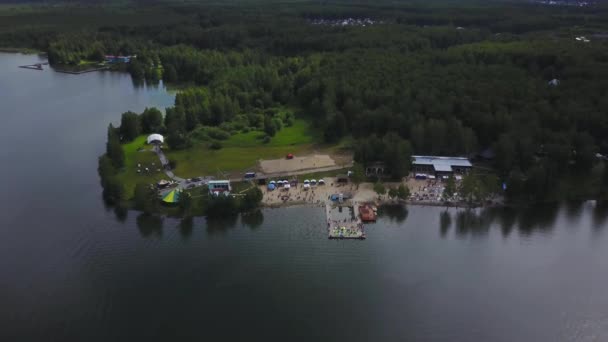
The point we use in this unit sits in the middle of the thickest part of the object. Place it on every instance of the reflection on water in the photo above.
(150, 225)
(253, 219)
(220, 225)
(600, 213)
(121, 213)
(528, 220)
(395, 212)
(186, 226)
(471, 222)
(574, 209)
(538, 218)
(445, 221)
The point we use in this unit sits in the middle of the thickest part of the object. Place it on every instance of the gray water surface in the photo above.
(72, 270)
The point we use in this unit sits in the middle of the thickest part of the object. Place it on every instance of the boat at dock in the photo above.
(367, 213)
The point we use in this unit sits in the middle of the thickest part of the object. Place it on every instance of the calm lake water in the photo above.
(73, 270)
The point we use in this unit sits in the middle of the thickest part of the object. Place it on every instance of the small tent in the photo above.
(172, 197)
(155, 139)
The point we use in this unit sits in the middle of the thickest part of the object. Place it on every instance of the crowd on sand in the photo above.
(424, 192)
(299, 194)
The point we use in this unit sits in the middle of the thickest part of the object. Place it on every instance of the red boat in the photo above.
(367, 213)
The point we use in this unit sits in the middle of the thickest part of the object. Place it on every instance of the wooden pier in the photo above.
(78, 72)
(343, 227)
(37, 66)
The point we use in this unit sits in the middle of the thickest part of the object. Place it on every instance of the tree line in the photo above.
(440, 78)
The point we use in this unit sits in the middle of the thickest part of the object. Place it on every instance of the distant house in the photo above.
(440, 166)
(219, 186)
(377, 169)
(118, 59)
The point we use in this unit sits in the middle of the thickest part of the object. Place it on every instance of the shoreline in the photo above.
(25, 51)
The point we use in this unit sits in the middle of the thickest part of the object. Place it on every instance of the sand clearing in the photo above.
(316, 194)
(296, 164)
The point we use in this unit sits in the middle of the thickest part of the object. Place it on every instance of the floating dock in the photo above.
(342, 225)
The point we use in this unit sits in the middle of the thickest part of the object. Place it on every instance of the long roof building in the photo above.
(441, 164)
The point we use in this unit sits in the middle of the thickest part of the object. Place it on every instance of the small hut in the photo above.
(342, 178)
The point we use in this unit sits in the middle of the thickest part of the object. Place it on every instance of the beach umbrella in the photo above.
(321, 181)
(272, 182)
(287, 186)
(172, 197)
(313, 181)
(306, 181)
(306, 186)
(271, 186)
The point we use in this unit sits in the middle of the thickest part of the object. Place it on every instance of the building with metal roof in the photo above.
(219, 186)
(440, 165)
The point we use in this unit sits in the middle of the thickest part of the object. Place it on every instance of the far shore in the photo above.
(24, 51)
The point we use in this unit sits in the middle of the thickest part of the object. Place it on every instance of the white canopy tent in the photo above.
(155, 139)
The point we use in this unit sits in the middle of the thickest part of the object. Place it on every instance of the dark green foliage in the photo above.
(403, 192)
(185, 203)
(269, 126)
(477, 188)
(217, 133)
(172, 164)
(152, 121)
(145, 198)
(215, 145)
(414, 83)
(113, 191)
(251, 199)
(379, 188)
(222, 206)
(394, 151)
(130, 126)
(450, 188)
(392, 193)
(114, 150)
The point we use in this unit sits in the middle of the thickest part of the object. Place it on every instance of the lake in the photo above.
(73, 270)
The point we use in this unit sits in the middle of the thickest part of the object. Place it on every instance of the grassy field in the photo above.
(129, 176)
(242, 151)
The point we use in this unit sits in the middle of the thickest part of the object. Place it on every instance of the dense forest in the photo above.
(400, 78)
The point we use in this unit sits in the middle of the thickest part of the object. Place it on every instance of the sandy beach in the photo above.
(423, 192)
